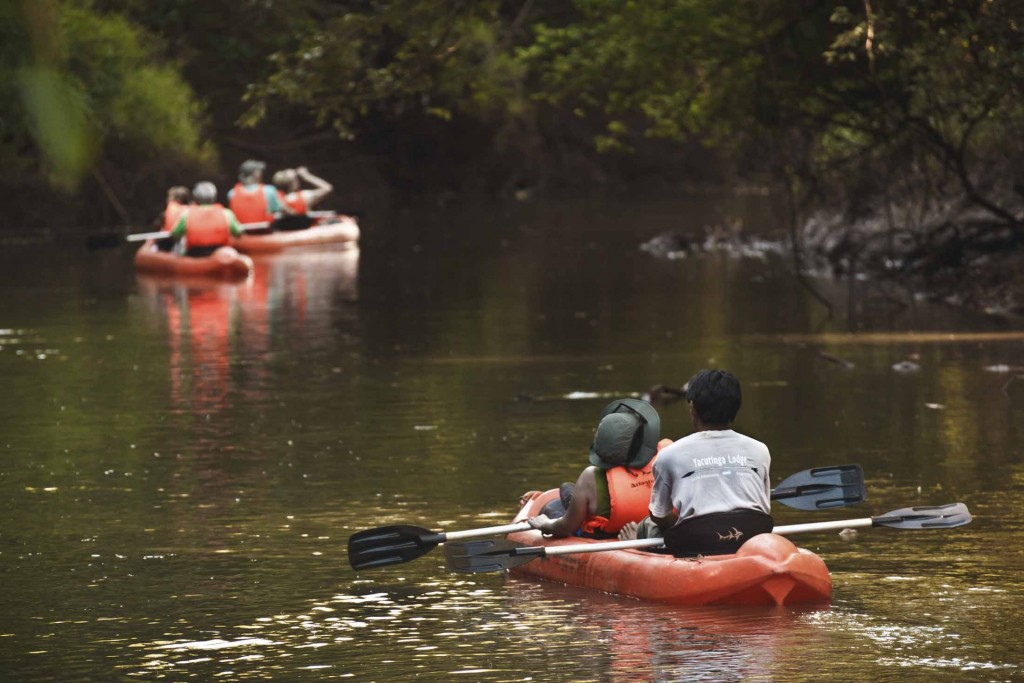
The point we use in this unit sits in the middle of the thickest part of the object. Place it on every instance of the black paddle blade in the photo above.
(822, 488)
(387, 545)
(492, 555)
(926, 517)
(105, 240)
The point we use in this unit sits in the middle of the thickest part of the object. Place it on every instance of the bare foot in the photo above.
(628, 532)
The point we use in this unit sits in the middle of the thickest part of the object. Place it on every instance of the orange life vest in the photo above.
(629, 491)
(172, 213)
(295, 201)
(250, 206)
(207, 226)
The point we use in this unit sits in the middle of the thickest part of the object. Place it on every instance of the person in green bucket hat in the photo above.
(615, 489)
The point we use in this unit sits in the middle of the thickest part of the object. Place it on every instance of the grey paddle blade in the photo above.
(926, 517)
(388, 545)
(492, 555)
(822, 488)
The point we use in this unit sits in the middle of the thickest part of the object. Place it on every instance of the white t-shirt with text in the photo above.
(711, 471)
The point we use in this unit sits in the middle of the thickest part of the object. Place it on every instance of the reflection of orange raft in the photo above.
(767, 570)
(343, 231)
(224, 264)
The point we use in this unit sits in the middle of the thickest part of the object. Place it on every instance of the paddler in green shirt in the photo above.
(206, 226)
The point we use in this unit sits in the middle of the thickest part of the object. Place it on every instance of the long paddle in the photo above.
(401, 543)
(813, 489)
(499, 554)
(263, 225)
(163, 234)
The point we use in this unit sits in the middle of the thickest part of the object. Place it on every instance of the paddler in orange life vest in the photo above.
(177, 202)
(250, 199)
(205, 226)
(288, 189)
(616, 489)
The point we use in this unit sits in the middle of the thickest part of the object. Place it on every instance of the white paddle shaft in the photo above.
(601, 547)
(163, 234)
(839, 524)
(486, 531)
(655, 542)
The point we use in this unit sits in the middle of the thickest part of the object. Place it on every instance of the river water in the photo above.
(181, 465)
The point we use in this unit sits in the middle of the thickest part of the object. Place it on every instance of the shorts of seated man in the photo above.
(719, 533)
(199, 252)
(557, 507)
(291, 222)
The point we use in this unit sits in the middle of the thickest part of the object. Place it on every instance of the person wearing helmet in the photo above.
(615, 489)
(250, 199)
(205, 226)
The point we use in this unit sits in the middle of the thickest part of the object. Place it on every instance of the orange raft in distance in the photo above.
(343, 230)
(767, 570)
(224, 264)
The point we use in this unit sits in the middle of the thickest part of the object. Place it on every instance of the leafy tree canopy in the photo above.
(848, 97)
(390, 58)
(81, 87)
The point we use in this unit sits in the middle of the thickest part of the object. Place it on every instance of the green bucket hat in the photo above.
(626, 435)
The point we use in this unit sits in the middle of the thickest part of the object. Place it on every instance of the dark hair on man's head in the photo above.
(178, 193)
(715, 395)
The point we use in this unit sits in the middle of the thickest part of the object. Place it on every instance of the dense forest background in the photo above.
(894, 129)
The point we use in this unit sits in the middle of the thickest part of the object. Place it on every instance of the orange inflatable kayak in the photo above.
(344, 230)
(224, 264)
(767, 570)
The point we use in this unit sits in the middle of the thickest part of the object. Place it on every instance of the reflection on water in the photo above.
(521, 630)
(202, 320)
(212, 326)
(939, 648)
(635, 641)
(417, 621)
(295, 295)
(516, 631)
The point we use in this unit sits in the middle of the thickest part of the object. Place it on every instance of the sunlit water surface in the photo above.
(181, 463)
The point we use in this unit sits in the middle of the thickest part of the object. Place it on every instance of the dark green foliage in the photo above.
(84, 101)
(856, 99)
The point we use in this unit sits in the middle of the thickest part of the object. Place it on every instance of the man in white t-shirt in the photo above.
(711, 489)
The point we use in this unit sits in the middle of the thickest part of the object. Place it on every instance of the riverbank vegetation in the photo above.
(893, 128)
